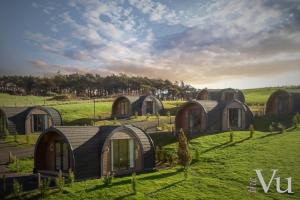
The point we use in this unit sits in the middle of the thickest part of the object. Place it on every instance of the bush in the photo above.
(158, 119)
(157, 153)
(252, 130)
(147, 116)
(169, 116)
(136, 114)
(281, 127)
(108, 179)
(134, 183)
(17, 189)
(295, 121)
(71, 177)
(184, 154)
(231, 136)
(115, 120)
(60, 182)
(44, 188)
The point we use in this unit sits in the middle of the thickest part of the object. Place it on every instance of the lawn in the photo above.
(81, 113)
(261, 95)
(223, 171)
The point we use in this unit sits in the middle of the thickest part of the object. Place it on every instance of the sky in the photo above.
(213, 44)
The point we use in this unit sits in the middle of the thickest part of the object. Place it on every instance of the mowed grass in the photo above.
(261, 95)
(83, 111)
(222, 172)
(13, 100)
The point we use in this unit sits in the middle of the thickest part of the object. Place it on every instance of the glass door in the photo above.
(62, 161)
(122, 151)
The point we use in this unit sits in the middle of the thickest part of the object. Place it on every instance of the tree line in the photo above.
(95, 86)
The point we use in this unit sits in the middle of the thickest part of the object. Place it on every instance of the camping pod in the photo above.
(25, 120)
(126, 106)
(227, 94)
(283, 102)
(92, 152)
(199, 116)
(193, 116)
(236, 116)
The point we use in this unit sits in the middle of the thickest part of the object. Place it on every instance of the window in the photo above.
(62, 156)
(149, 107)
(122, 154)
(124, 107)
(234, 118)
(194, 121)
(39, 123)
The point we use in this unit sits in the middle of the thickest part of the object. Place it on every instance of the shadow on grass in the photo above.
(270, 135)
(109, 186)
(237, 142)
(215, 147)
(160, 176)
(165, 187)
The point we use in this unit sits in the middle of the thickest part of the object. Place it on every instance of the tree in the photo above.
(184, 153)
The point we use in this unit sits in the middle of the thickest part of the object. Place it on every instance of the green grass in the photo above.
(261, 95)
(13, 100)
(222, 172)
(25, 166)
(83, 112)
(29, 139)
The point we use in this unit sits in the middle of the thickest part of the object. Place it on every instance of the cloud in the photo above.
(214, 41)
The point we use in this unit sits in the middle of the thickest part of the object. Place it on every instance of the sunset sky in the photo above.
(215, 44)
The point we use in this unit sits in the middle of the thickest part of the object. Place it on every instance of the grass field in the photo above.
(222, 171)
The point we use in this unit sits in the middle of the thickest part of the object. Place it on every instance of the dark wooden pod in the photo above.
(283, 102)
(89, 151)
(126, 106)
(25, 120)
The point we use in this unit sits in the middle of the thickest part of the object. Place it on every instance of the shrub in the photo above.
(60, 181)
(136, 114)
(184, 154)
(252, 130)
(158, 118)
(280, 127)
(108, 179)
(271, 128)
(11, 158)
(169, 116)
(147, 116)
(27, 139)
(231, 136)
(17, 189)
(134, 183)
(44, 188)
(157, 152)
(17, 162)
(162, 155)
(71, 177)
(15, 138)
(295, 121)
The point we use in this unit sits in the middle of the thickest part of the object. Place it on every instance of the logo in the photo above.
(266, 185)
